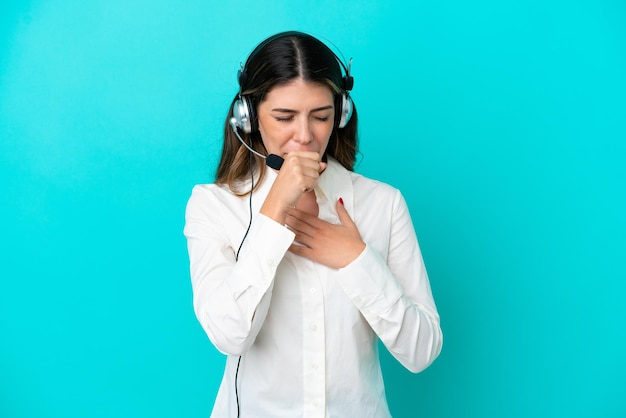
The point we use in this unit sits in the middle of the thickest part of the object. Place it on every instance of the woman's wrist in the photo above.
(275, 211)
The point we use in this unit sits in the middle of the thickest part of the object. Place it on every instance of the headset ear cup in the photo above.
(345, 111)
(244, 115)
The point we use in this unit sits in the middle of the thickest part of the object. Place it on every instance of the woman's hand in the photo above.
(298, 175)
(335, 246)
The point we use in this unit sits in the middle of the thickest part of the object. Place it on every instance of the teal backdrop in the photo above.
(503, 123)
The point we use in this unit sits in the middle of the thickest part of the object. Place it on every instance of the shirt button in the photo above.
(314, 366)
(313, 327)
(312, 290)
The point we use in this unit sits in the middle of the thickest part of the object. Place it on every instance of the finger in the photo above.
(307, 158)
(299, 167)
(299, 235)
(304, 240)
(302, 172)
(299, 226)
(344, 216)
(311, 155)
(305, 218)
(300, 250)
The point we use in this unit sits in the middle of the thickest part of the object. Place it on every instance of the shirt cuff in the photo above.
(369, 283)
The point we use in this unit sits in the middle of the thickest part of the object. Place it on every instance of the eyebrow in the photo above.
(317, 109)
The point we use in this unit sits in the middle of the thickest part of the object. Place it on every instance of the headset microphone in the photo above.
(273, 161)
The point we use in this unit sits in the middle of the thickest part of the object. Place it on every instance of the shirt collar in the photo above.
(334, 183)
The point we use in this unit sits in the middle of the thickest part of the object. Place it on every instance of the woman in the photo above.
(299, 269)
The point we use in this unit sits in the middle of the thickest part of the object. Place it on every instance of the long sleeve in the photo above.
(231, 298)
(393, 293)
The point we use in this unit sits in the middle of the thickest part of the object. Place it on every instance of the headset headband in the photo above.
(242, 76)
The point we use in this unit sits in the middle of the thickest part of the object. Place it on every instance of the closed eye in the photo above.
(290, 118)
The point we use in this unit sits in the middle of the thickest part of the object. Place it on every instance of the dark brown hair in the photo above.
(279, 60)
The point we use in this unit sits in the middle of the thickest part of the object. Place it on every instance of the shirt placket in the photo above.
(314, 345)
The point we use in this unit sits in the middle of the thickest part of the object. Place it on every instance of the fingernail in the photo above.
(341, 201)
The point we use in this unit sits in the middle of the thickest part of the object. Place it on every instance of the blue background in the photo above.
(503, 123)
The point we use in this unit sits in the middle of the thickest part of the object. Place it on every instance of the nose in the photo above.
(303, 133)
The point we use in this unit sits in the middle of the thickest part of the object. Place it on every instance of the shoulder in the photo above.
(202, 192)
(376, 189)
(213, 209)
(210, 197)
(360, 184)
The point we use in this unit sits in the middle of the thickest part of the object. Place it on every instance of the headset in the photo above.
(244, 116)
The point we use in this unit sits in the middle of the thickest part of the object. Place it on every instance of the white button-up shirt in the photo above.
(306, 333)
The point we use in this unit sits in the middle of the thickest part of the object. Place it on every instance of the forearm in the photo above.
(230, 317)
(231, 298)
(407, 325)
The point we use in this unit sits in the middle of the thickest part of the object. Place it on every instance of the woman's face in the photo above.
(297, 116)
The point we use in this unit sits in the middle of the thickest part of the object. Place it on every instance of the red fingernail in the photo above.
(341, 201)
